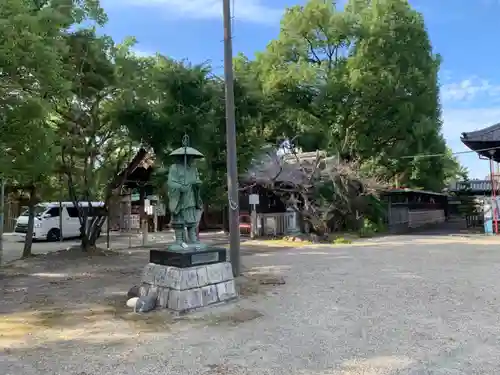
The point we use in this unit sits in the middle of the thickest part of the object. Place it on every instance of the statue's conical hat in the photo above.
(189, 151)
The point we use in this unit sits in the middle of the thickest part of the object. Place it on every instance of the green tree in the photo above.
(32, 46)
(184, 99)
(94, 145)
(303, 73)
(32, 167)
(360, 83)
(393, 74)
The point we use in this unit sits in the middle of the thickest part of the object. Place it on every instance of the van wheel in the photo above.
(53, 235)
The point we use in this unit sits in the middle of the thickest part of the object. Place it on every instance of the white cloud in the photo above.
(469, 89)
(457, 121)
(469, 105)
(244, 10)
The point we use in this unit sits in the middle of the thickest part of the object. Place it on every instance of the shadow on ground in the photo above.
(69, 295)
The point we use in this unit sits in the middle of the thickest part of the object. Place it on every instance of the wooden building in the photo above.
(138, 187)
(410, 208)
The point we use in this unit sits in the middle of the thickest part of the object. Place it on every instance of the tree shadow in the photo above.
(59, 291)
(81, 295)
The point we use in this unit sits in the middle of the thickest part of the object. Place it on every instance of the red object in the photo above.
(245, 223)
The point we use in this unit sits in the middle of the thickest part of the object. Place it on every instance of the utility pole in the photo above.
(232, 172)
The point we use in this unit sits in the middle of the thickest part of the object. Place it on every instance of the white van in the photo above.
(48, 217)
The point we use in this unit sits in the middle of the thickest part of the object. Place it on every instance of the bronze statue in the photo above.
(185, 204)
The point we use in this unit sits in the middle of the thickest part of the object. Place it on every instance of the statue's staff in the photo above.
(185, 142)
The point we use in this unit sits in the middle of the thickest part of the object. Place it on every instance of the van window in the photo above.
(72, 211)
(94, 211)
(39, 209)
(53, 212)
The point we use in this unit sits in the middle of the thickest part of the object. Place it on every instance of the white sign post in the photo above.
(253, 199)
(145, 224)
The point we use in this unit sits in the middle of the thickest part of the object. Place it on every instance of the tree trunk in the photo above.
(94, 229)
(84, 244)
(90, 232)
(28, 240)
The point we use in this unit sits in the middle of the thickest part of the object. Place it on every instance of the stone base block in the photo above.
(184, 289)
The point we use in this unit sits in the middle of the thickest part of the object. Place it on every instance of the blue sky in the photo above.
(462, 31)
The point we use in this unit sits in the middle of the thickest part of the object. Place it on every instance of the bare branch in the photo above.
(318, 187)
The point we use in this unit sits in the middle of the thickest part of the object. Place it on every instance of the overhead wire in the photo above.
(444, 154)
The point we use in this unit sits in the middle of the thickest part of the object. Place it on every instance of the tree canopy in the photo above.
(362, 83)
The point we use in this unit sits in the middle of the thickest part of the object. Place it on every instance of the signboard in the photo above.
(253, 199)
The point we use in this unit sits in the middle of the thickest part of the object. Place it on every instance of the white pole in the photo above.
(253, 225)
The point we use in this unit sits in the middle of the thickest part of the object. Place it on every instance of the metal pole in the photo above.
(253, 217)
(232, 171)
(253, 220)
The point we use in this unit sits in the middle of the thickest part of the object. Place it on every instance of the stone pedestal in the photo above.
(183, 288)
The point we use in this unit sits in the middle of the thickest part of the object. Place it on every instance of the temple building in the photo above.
(486, 143)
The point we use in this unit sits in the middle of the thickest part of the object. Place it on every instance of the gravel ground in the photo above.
(404, 305)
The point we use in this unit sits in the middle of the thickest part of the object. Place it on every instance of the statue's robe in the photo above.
(184, 194)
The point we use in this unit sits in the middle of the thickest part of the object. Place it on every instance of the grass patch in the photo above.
(278, 243)
(341, 241)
